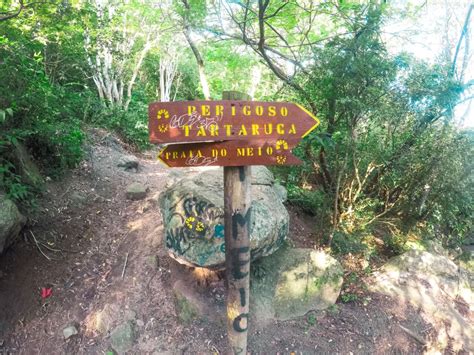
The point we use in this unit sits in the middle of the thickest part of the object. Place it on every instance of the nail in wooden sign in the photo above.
(230, 153)
(227, 120)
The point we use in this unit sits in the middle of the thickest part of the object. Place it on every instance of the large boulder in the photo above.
(432, 282)
(11, 222)
(193, 216)
(294, 282)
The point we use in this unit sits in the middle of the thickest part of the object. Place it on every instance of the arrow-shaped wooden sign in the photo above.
(227, 120)
(230, 153)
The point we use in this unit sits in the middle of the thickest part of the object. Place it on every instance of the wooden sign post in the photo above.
(237, 200)
(234, 133)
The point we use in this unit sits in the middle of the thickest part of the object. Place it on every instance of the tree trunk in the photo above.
(136, 69)
(200, 63)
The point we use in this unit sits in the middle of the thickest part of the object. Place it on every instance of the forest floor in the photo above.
(108, 266)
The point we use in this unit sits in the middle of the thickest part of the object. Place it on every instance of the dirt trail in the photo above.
(108, 266)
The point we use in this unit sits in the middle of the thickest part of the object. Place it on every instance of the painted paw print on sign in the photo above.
(163, 113)
(163, 128)
(281, 144)
(280, 159)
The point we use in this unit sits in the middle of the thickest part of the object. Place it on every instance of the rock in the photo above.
(11, 222)
(191, 304)
(123, 337)
(128, 314)
(25, 166)
(296, 281)
(136, 191)
(281, 192)
(69, 331)
(262, 176)
(103, 320)
(193, 215)
(78, 198)
(188, 307)
(128, 162)
(433, 283)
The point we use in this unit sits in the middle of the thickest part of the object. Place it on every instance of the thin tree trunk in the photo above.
(200, 63)
(138, 65)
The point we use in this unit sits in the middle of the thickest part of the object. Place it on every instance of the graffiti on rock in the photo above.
(196, 219)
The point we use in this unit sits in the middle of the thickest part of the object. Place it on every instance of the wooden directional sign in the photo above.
(230, 153)
(227, 120)
(233, 134)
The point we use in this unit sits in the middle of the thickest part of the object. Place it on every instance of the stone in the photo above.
(262, 176)
(78, 198)
(69, 331)
(102, 321)
(26, 167)
(295, 282)
(123, 337)
(11, 222)
(188, 307)
(193, 215)
(281, 192)
(136, 191)
(128, 314)
(128, 162)
(433, 283)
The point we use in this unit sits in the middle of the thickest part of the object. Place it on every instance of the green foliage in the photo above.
(311, 319)
(131, 125)
(345, 243)
(349, 297)
(387, 153)
(11, 182)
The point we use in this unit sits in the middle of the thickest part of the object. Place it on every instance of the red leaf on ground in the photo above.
(46, 292)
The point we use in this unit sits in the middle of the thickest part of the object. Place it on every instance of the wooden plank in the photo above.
(237, 200)
(231, 153)
(199, 121)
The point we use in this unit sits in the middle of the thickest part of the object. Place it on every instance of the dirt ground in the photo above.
(104, 252)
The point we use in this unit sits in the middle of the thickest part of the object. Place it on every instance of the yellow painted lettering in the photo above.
(214, 130)
(284, 111)
(228, 129)
(249, 152)
(271, 111)
(259, 110)
(280, 128)
(268, 128)
(233, 110)
(199, 154)
(219, 110)
(201, 132)
(243, 131)
(186, 130)
(255, 128)
(175, 155)
(191, 109)
(292, 129)
(240, 152)
(223, 152)
(269, 150)
(205, 110)
(246, 110)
